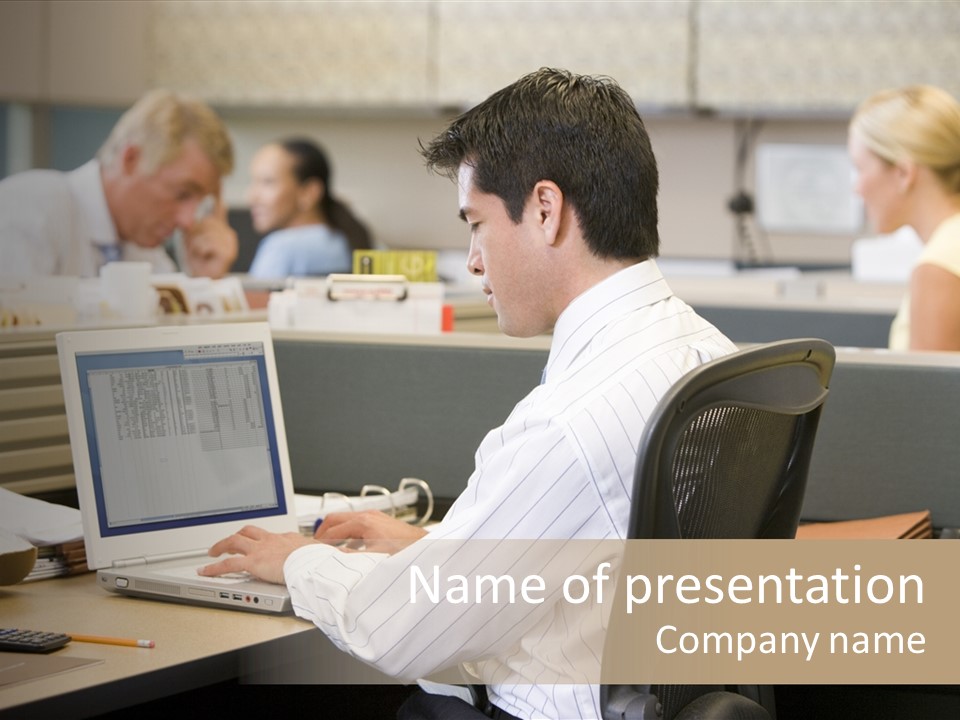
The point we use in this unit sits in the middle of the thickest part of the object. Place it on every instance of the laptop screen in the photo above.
(180, 436)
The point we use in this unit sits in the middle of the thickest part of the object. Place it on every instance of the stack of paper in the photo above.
(57, 560)
(907, 526)
(55, 530)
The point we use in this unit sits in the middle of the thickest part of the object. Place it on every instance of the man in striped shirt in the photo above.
(557, 182)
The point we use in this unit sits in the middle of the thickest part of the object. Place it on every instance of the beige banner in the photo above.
(848, 612)
(688, 611)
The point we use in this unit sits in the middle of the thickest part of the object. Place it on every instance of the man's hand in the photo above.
(256, 551)
(371, 530)
(211, 245)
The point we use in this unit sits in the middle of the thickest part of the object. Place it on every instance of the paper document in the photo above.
(37, 521)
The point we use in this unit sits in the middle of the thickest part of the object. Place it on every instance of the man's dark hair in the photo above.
(579, 131)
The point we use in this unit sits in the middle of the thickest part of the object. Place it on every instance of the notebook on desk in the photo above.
(178, 441)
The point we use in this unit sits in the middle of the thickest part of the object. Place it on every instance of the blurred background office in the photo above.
(748, 120)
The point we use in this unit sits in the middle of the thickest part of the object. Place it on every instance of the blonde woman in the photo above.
(905, 146)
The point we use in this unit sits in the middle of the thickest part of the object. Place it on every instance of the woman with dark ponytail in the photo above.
(310, 232)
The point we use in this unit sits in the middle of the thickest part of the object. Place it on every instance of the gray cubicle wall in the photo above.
(759, 325)
(367, 413)
(889, 439)
(4, 123)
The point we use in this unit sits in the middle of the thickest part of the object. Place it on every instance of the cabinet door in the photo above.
(817, 56)
(293, 53)
(97, 51)
(21, 51)
(644, 46)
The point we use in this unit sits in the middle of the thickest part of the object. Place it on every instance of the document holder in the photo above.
(388, 304)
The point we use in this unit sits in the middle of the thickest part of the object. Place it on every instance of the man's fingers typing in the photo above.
(223, 567)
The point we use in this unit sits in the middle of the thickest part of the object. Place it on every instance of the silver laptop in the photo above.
(178, 441)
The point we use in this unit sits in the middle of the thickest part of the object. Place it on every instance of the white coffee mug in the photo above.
(127, 290)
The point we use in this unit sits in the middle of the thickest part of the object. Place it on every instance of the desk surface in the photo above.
(195, 646)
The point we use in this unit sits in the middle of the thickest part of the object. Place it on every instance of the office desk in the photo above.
(196, 646)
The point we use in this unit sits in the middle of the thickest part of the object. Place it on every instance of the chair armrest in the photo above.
(623, 702)
(723, 706)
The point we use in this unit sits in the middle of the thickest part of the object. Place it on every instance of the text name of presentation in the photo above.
(840, 587)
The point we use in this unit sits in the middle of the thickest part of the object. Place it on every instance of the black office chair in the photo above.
(725, 454)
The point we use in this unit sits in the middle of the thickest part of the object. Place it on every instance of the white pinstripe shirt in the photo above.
(561, 466)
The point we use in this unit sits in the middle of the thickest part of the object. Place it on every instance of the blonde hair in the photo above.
(159, 123)
(919, 123)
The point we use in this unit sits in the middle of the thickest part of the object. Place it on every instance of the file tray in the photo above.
(387, 304)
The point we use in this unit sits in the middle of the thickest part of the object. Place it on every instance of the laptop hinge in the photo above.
(129, 562)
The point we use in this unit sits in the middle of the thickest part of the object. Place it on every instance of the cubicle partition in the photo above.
(359, 409)
(34, 444)
(766, 324)
(767, 305)
(888, 439)
(374, 410)
(365, 410)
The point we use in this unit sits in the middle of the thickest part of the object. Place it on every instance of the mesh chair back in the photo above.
(725, 454)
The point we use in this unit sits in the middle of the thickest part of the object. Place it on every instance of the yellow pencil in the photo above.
(128, 642)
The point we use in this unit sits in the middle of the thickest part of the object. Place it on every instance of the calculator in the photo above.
(35, 641)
